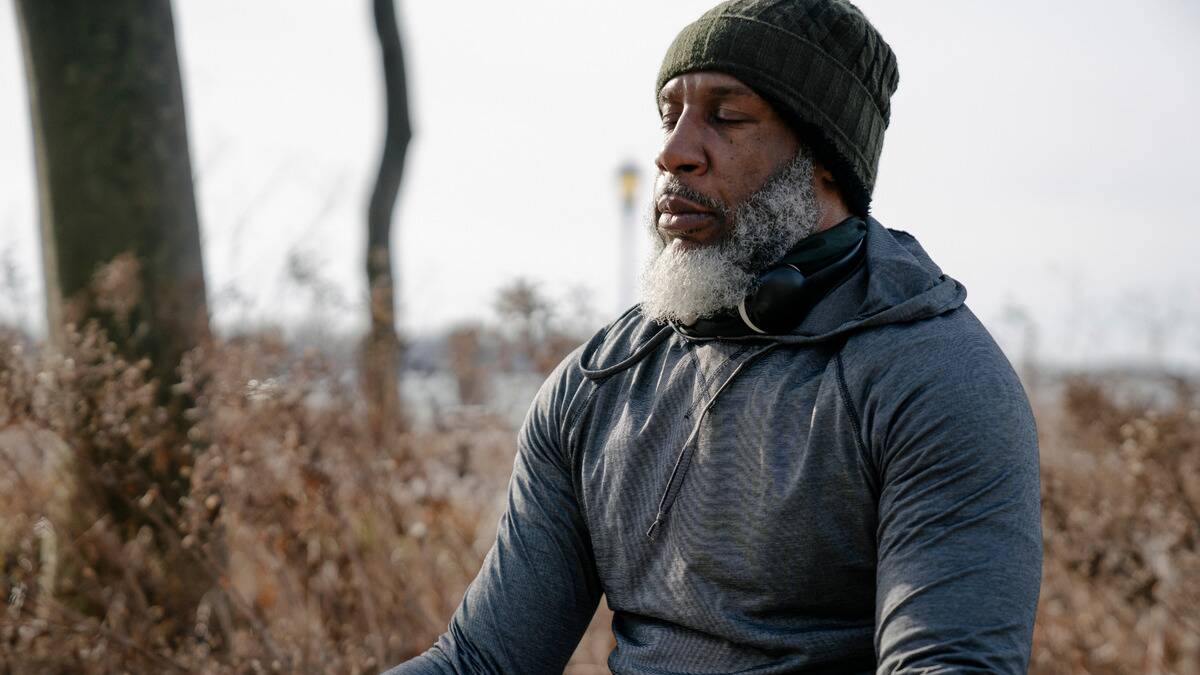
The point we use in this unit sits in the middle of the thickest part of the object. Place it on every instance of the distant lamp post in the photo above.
(627, 177)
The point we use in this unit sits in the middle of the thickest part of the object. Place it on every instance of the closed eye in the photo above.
(728, 117)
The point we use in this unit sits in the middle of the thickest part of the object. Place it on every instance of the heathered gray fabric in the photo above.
(859, 496)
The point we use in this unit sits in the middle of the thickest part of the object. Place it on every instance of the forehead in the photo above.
(706, 84)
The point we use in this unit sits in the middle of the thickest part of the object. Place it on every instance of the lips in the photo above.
(683, 218)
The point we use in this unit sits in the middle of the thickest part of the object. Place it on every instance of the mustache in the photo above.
(673, 187)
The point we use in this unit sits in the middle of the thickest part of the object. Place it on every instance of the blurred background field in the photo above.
(251, 510)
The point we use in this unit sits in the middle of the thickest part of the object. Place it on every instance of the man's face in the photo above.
(735, 191)
(722, 142)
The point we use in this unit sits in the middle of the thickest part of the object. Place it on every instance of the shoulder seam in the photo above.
(849, 404)
(573, 417)
(569, 441)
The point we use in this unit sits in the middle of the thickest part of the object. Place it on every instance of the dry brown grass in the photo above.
(289, 542)
(1121, 520)
(270, 534)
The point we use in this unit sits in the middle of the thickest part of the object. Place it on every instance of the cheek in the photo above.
(746, 180)
(751, 170)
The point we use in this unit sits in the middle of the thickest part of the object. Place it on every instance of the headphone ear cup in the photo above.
(772, 307)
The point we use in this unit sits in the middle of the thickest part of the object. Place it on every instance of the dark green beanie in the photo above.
(820, 63)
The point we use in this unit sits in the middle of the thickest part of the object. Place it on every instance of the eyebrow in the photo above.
(729, 91)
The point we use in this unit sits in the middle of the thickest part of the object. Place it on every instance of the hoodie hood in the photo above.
(899, 283)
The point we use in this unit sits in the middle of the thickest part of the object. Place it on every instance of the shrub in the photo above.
(269, 534)
(1121, 522)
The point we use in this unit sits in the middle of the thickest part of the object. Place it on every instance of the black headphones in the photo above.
(780, 300)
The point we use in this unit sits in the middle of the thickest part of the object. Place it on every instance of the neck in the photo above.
(832, 213)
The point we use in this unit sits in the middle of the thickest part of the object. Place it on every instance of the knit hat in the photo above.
(820, 63)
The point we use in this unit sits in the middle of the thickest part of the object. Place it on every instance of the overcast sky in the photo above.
(1043, 153)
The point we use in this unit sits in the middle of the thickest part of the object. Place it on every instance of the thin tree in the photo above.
(382, 349)
(114, 175)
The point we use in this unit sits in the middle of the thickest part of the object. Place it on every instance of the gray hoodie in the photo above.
(858, 496)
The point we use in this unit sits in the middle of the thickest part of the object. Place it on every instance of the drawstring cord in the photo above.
(638, 354)
(684, 461)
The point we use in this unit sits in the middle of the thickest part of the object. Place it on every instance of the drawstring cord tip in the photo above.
(654, 526)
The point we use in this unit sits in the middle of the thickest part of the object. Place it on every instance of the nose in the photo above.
(683, 149)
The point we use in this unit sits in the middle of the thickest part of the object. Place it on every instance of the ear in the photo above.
(824, 177)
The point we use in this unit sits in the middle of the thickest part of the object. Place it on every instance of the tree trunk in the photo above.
(114, 174)
(120, 245)
(381, 366)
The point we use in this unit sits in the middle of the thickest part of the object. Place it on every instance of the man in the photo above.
(801, 453)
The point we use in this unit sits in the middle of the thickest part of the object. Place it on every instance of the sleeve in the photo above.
(537, 590)
(959, 533)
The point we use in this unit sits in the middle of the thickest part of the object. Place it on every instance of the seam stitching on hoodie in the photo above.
(569, 429)
(706, 383)
(571, 439)
(574, 460)
(846, 401)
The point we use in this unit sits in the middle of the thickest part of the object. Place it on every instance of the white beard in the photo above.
(683, 284)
